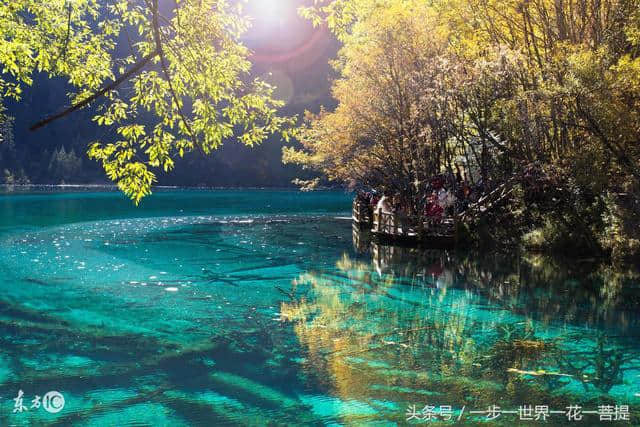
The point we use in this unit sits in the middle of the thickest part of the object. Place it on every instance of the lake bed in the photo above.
(244, 307)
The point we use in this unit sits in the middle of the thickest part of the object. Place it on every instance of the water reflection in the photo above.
(539, 287)
(395, 324)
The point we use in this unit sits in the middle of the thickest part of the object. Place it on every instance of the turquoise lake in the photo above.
(258, 307)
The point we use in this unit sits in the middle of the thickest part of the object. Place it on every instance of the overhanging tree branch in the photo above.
(117, 82)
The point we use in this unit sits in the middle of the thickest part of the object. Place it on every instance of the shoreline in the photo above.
(112, 187)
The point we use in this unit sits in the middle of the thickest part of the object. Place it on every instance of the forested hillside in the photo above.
(56, 154)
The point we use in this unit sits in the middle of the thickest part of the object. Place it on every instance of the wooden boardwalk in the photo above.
(396, 227)
(487, 202)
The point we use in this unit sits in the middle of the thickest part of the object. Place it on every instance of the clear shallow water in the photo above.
(257, 307)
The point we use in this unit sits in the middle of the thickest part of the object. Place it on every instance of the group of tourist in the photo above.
(442, 197)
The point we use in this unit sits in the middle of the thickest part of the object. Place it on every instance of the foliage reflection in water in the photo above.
(241, 319)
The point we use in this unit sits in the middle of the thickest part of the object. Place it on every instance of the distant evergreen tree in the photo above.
(6, 129)
(64, 166)
(8, 158)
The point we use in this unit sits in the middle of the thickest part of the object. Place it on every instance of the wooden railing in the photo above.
(488, 201)
(391, 224)
(444, 227)
(361, 212)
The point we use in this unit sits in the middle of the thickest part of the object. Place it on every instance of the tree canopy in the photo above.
(502, 86)
(182, 84)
